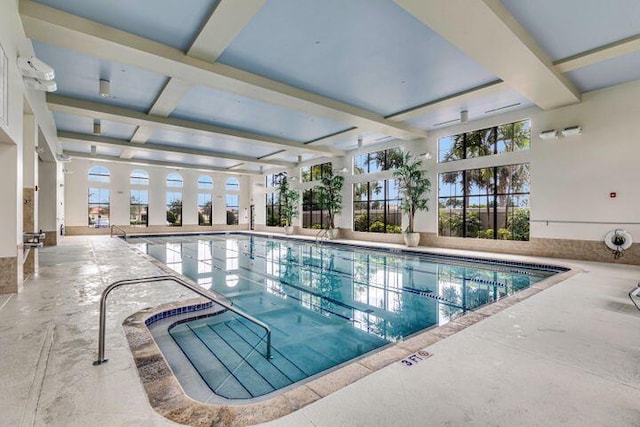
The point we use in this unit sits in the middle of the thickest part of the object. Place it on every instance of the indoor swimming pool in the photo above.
(326, 304)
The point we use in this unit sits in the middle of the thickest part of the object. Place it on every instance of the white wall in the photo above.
(76, 185)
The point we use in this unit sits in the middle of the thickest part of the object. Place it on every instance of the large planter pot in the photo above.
(332, 233)
(288, 230)
(411, 239)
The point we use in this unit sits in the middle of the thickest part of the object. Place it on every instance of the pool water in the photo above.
(325, 304)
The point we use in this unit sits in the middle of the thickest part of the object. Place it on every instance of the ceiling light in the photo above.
(445, 123)
(493, 110)
(464, 116)
(105, 88)
(63, 157)
(571, 131)
(340, 170)
(426, 155)
(549, 134)
(32, 67)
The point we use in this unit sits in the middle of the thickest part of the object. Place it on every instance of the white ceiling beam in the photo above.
(173, 165)
(72, 32)
(228, 18)
(114, 142)
(225, 23)
(450, 101)
(486, 31)
(599, 54)
(123, 115)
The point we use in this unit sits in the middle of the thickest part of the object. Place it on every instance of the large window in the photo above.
(378, 161)
(315, 172)
(232, 200)
(484, 142)
(312, 215)
(205, 200)
(488, 203)
(273, 203)
(174, 200)
(376, 207)
(139, 198)
(99, 197)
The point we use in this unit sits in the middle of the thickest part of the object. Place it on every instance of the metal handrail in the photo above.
(202, 292)
(321, 233)
(119, 228)
(635, 292)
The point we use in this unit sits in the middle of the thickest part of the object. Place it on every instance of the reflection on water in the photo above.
(387, 295)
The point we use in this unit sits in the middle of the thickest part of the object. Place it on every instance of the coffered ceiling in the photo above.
(242, 85)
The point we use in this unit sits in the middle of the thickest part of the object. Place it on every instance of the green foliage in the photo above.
(330, 194)
(377, 227)
(174, 213)
(413, 185)
(361, 222)
(518, 224)
(289, 199)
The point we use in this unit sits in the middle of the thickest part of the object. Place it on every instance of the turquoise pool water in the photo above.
(326, 304)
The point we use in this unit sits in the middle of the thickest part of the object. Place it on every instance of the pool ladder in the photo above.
(322, 235)
(198, 290)
(124, 232)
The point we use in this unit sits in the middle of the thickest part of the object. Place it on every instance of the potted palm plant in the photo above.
(330, 199)
(414, 186)
(289, 200)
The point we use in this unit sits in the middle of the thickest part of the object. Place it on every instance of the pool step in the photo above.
(229, 351)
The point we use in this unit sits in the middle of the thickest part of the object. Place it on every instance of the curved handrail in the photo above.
(119, 228)
(322, 233)
(202, 292)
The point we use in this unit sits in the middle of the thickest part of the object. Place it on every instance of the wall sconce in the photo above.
(341, 170)
(97, 127)
(549, 134)
(426, 156)
(464, 116)
(571, 131)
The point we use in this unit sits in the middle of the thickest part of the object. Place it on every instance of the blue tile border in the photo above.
(177, 311)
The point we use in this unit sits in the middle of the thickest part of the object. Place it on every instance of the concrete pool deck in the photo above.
(569, 355)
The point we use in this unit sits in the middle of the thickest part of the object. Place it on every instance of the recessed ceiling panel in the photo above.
(183, 158)
(615, 71)
(170, 22)
(565, 28)
(80, 124)
(479, 108)
(368, 53)
(238, 112)
(78, 76)
(201, 142)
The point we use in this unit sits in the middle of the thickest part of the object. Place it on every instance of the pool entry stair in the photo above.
(224, 350)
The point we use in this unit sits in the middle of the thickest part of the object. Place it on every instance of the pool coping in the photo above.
(167, 397)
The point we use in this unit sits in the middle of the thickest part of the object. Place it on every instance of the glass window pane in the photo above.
(139, 177)
(451, 148)
(174, 180)
(99, 174)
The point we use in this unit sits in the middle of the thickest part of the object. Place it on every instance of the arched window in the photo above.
(174, 199)
(205, 200)
(233, 200)
(99, 197)
(139, 198)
